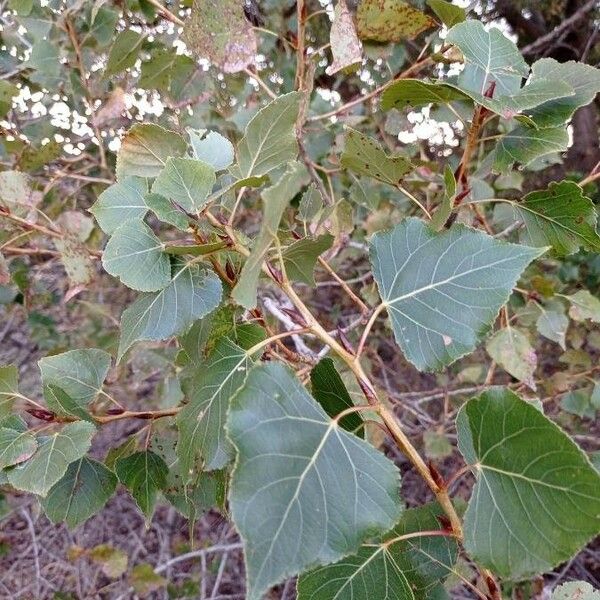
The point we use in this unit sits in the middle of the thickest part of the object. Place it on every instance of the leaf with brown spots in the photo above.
(365, 156)
(390, 21)
(345, 45)
(219, 31)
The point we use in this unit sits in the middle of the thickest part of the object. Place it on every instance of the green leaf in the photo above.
(15, 446)
(165, 211)
(511, 349)
(561, 217)
(192, 294)
(311, 204)
(120, 202)
(125, 449)
(444, 210)
(449, 14)
(578, 402)
(584, 79)
(575, 590)
(201, 422)
(275, 200)
(584, 306)
(212, 148)
(390, 20)
(443, 290)
(123, 52)
(60, 403)
(186, 181)
(536, 502)
(52, 457)
(414, 92)
(143, 474)
(7, 92)
(330, 392)
(553, 324)
(403, 569)
(300, 257)
(190, 496)
(270, 137)
(156, 72)
(365, 156)
(490, 58)
(9, 389)
(524, 145)
(220, 32)
(44, 59)
(299, 479)
(145, 149)
(345, 45)
(83, 491)
(135, 255)
(80, 373)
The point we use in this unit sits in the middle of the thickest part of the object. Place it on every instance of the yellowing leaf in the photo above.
(390, 20)
(511, 349)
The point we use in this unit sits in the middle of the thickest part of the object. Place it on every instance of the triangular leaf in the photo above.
(120, 202)
(80, 373)
(193, 293)
(403, 569)
(52, 457)
(270, 138)
(83, 491)
(561, 217)
(186, 181)
(524, 145)
(584, 79)
(299, 480)
(365, 156)
(443, 290)
(145, 149)
(135, 255)
(143, 474)
(15, 446)
(201, 423)
(300, 257)
(490, 59)
(536, 501)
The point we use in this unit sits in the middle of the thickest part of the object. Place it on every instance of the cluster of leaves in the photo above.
(297, 466)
